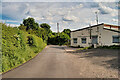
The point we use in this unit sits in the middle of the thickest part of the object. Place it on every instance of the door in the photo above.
(94, 39)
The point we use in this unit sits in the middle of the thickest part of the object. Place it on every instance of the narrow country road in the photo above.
(52, 62)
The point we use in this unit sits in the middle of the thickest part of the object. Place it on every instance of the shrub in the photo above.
(16, 48)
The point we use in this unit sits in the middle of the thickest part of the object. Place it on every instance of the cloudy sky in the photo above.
(72, 15)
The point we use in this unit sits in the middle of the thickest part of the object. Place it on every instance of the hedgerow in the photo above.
(17, 47)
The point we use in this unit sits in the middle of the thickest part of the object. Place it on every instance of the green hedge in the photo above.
(18, 47)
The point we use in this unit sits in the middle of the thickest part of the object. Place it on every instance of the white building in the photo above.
(101, 34)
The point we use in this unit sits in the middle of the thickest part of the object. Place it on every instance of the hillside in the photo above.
(18, 47)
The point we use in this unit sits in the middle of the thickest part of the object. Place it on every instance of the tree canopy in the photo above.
(67, 31)
(45, 32)
(30, 24)
(46, 27)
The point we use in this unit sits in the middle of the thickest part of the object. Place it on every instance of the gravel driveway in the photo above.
(96, 63)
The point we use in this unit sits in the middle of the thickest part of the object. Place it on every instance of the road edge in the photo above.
(23, 63)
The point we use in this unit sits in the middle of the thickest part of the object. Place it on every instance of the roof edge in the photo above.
(87, 27)
(112, 25)
(92, 26)
(112, 30)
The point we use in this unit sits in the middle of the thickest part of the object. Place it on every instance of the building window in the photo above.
(74, 40)
(116, 39)
(83, 40)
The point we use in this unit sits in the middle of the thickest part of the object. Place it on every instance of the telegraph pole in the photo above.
(58, 28)
(90, 32)
(96, 17)
(97, 20)
(58, 33)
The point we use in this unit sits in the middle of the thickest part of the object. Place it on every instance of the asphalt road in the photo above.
(50, 63)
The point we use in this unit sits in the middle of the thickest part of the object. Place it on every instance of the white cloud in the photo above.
(115, 20)
(60, 1)
(70, 18)
(12, 25)
(107, 10)
(106, 0)
(14, 10)
(69, 15)
(12, 21)
(79, 6)
(51, 23)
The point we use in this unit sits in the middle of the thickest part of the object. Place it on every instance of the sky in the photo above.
(69, 15)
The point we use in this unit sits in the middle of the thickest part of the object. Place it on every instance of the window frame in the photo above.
(118, 41)
(83, 41)
(75, 42)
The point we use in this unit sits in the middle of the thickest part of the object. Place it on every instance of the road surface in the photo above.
(50, 63)
(54, 62)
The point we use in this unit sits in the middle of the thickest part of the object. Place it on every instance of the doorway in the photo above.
(94, 39)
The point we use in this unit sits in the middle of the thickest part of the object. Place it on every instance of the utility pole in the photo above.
(97, 20)
(58, 33)
(58, 28)
(90, 32)
(96, 17)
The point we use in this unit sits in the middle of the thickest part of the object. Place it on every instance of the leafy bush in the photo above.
(17, 48)
(61, 39)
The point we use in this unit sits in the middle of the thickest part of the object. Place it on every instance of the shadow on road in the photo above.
(58, 47)
(103, 57)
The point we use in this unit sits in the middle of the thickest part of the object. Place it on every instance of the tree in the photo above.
(64, 38)
(46, 27)
(51, 38)
(67, 31)
(22, 27)
(30, 24)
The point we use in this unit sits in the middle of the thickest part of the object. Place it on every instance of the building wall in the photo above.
(104, 36)
(85, 33)
(107, 37)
